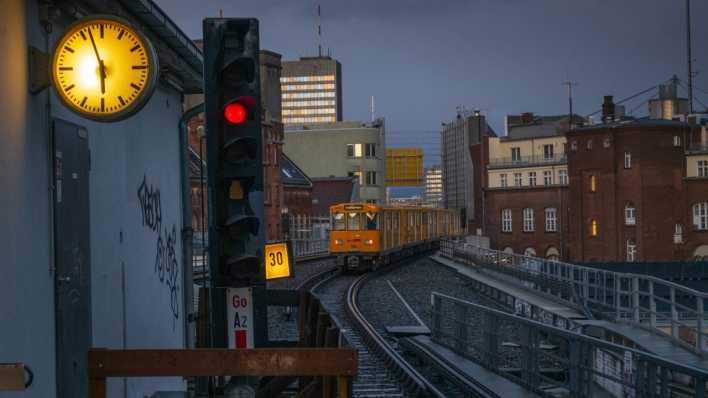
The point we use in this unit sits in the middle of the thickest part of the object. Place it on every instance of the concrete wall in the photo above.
(133, 303)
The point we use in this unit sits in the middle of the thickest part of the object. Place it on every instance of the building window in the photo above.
(370, 150)
(370, 178)
(678, 233)
(700, 216)
(548, 152)
(631, 251)
(503, 179)
(506, 220)
(630, 215)
(532, 178)
(593, 227)
(563, 177)
(356, 174)
(702, 168)
(547, 177)
(528, 220)
(593, 183)
(574, 145)
(530, 252)
(589, 145)
(517, 179)
(551, 219)
(606, 142)
(677, 140)
(371, 201)
(354, 150)
(627, 160)
(515, 154)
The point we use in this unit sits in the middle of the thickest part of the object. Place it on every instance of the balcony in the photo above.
(697, 149)
(527, 161)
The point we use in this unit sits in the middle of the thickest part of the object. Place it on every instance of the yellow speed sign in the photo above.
(278, 263)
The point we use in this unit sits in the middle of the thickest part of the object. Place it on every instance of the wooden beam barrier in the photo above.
(103, 363)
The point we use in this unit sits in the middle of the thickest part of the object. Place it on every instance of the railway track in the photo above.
(383, 372)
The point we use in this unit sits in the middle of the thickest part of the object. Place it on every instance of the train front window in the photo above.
(372, 221)
(338, 219)
(353, 222)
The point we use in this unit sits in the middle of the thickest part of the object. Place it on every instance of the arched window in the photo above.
(593, 227)
(508, 250)
(529, 225)
(701, 253)
(593, 183)
(630, 214)
(530, 252)
(552, 254)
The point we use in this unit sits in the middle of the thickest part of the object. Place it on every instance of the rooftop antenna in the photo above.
(690, 65)
(570, 85)
(372, 109)
(319, 31)
(221, 13)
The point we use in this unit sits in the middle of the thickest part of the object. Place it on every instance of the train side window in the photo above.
(338, 221)
(353, 221)
(372, 221)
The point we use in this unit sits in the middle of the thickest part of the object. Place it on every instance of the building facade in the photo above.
(330, 191)
(297, 189)
(433, 186)
(523, 194)
(96, 238)
(346, 149)
(311, 90)
(640, 191)
(457, 168)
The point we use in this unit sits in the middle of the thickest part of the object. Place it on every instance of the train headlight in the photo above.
(338, 242)
(369, 242)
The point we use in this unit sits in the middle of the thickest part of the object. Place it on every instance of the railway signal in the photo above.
(233, 128)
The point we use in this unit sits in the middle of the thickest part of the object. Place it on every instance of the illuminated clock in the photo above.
(103, 68)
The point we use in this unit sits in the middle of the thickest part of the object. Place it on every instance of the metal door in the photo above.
(72, 257)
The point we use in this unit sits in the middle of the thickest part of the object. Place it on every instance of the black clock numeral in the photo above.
(69, 49)
(101, 30)
(122, 102)
(120, 35)
(69, 87)
(103, 107)
(137, 46)
(135, 86)
(139, 67)
(83, 35)
(83, 101)
(66, 68)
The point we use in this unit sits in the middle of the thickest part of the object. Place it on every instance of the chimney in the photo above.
(527, 118)
(608, 110)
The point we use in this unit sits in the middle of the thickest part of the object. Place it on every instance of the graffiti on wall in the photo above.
(166, 265)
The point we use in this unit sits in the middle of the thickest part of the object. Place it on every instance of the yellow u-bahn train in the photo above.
(365, 236)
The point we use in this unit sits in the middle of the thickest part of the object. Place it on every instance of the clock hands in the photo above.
(101, 67)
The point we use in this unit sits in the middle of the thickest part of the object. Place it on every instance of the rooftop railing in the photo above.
(525, 161)
(645, 301)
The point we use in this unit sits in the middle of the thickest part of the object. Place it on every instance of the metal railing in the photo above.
(528, 160)
(555, 362)
(642, 300)
(309, 235)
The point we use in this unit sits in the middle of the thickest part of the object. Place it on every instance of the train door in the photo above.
(386, 228)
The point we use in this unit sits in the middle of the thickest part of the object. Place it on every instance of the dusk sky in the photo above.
(421, 59)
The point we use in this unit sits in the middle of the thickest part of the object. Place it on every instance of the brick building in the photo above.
(297, 189)
(624, 190)
(639, 190)
(328, 191)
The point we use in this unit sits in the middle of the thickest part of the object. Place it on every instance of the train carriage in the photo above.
(365, 236)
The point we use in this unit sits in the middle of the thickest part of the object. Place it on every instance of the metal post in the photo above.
(700, 325)
(618, 298)
(436, 302)
(635, 299)
(574, 354)
(652, 305)
(674, 313)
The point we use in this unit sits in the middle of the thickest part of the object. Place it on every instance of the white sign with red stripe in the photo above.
(239, 313)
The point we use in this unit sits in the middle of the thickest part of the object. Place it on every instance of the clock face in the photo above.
(104, 69)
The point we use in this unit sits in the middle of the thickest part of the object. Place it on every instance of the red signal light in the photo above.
(235, 113)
